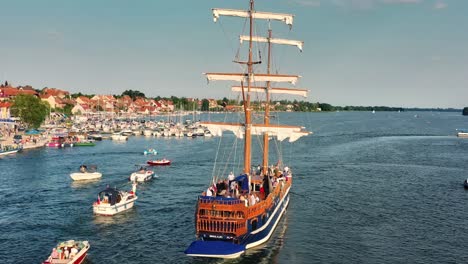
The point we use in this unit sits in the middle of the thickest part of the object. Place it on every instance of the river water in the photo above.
(368, 188)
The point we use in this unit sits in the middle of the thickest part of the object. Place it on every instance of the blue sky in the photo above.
(410, 53)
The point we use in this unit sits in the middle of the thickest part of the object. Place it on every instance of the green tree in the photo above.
(205, 105)
(133, 94)
(30, 109)
(465, 111)
(67, 109)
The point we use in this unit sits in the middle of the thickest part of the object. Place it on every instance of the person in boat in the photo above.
(55, 254)
(83, 168)
(73, 252)
(142, 170)
(66, 253)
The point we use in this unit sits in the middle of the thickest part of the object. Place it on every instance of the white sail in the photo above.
(299, 44)
(280, 131)
(242, 77)
(286, 18)
(257, 89)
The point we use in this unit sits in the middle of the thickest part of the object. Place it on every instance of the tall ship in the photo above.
(241, 210)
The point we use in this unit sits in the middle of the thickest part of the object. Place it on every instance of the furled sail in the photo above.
(259, 89)
(286, 18)
(242, 77)
(299, 44)
(280, 131)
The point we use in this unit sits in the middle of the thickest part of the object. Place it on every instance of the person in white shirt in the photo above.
(73, 252)
(209, 192)
(231, 176)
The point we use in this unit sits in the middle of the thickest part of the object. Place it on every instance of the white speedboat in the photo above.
(127, 132)
(142, 175)
(112, 201)
(68, 252)
(119, 137)
(462, 134)
(148, 132)
(87, 172)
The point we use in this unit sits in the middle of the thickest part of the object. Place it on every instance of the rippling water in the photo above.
(369, 188)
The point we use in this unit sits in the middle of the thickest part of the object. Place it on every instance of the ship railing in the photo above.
(221, 226)
(218, 200)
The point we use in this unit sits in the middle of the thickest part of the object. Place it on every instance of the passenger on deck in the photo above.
(221, 187)
(252, 199)
(209, 191)
(231, 176)
(83, 168)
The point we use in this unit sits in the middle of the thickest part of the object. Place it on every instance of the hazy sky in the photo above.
(357, 52)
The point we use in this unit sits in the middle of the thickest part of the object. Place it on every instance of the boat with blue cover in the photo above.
(238, 213)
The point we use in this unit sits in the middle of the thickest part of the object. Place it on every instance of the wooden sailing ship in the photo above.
(242, 212)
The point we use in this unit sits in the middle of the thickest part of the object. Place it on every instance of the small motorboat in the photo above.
(112, 201)
(97, 137)
(85, 143)
(6, 150)
(465, 184)
(55, 142)
(126, 132)
(68, 252)
(162, 162)
(119, 137)
(142, 175)
(462, 134)
(150, 151)
(87, 172)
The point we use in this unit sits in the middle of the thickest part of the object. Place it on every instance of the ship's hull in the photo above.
(223, 249)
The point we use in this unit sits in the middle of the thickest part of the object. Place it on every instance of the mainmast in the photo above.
(247, 109)
(266, 118)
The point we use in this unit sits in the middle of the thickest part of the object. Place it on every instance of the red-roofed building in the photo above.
(10, 92)
(5, 109)
(55, 92)
(54, 101)
(81, 109)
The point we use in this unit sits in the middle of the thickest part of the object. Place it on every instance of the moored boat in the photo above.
(238, 213)
(119, 137)
(6, 150)
(68, 252)
(112, 201)
(55, 142)
(465, 184)
(161, 162)
(85, 143)
(87, 172)
(142, 175)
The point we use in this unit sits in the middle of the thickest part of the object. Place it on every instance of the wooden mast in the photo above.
(266, 118)
(248, 115)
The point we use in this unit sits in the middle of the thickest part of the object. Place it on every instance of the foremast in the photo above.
(246, 101)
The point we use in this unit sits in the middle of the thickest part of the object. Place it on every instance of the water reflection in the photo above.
(119, 218)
